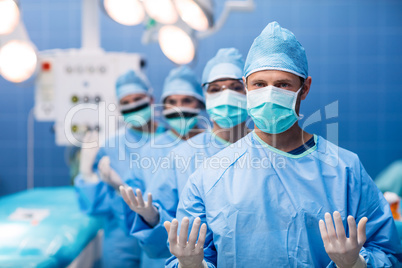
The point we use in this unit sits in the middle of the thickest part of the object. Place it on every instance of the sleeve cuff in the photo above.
(140, 225)
(152, 240)
(204, 264)
(360, 263)
(143, 232)
(92, 178)
(82, 181)
(94, 198)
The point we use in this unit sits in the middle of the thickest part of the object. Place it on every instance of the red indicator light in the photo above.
(46, 66)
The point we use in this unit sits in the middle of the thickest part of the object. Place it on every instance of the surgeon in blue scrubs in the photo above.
(227, 106)
(281, 197)
(98, 180)
(183, 100)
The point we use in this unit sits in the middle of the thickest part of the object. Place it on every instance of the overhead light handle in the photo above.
(246, 6)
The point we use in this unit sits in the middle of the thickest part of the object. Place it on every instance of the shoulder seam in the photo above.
(225, 171)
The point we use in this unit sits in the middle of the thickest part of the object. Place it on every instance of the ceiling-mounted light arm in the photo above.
(245, 6)
(198, 14)
(151, 34)
(90, 34)
(19, 33)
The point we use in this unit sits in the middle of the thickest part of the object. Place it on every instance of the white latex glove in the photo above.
(88, 155)
(137, 204)
(189, 253)
(342, 250)
(108, 174)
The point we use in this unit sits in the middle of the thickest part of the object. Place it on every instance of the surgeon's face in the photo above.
(181, 101)
(279, 79)
(132, 98)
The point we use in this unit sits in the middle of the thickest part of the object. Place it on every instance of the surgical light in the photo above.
(162, 11)
(18, 61)
(9, 16)
(176, 44)
(196, 13)
(126, 12)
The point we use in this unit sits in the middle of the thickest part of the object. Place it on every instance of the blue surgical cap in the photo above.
(130, 83)
(182, 81)
(276, 48)
(228, 63)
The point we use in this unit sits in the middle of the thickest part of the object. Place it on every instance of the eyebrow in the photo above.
(275, 82)
(284, 81)
(258, 81)
(232, 81)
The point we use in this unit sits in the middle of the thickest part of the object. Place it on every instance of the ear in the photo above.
(306, 88)
(245, 81)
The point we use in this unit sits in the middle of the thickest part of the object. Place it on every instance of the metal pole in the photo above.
(90, 25)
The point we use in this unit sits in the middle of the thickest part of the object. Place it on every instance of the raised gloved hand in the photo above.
(190, 254)
(108, 174)
(137, 204)
(342, 250)
(89, 150)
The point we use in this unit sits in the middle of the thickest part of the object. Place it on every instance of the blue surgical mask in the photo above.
(272, 109)
(227, 108)
(137, 113)
(182, 119)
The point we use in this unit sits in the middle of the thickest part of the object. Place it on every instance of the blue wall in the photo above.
(353, 48)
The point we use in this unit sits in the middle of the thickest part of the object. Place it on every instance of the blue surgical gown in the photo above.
(262, 206)
(152, 160)
(166, 189)
(119, 248)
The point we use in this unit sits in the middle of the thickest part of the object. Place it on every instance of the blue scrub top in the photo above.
(119, 249)
(152, 157)
(262, 206)
(167, 186)
(145, 168)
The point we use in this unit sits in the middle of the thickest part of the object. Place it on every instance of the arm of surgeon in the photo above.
(136, 203)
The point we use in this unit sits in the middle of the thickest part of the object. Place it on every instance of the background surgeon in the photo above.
(183, 100)
(227, 106)
(277, 212)
(98, 181)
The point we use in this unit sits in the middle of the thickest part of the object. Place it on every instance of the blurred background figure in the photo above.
(227, 106)
(102, 166)
(182, 102)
